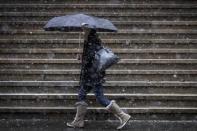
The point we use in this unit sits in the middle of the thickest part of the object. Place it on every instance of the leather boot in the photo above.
(80, 114)
(115, 109)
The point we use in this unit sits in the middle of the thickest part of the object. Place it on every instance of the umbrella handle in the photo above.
(78, 54)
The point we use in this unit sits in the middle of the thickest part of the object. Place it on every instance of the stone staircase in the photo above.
(157, 43)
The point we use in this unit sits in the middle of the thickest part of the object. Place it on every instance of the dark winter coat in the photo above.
(88, 75)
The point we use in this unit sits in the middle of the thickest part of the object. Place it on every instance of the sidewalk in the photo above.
(93, 125)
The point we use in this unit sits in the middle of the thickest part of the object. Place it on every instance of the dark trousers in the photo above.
(98, 91)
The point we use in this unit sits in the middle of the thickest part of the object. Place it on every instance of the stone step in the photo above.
(108, 83)
(137, 35)
(112, 76)
(126, 100)
(59, 53)
(100, 14)
(120, 32)
(100, 2)
(150, 89)
(125, 66)
(108, 71)
(65, 109)
(123, 50)
(100, 6)
(133, 34)
(21, 119)
(45, 16)
(125, 61)
(144, 77)
(74, 96)
(121, 25)
(111, 43)
(107, 8)
(74, 55)
(92, 103)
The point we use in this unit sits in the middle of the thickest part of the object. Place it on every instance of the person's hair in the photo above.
(94, 36)
(92, 32)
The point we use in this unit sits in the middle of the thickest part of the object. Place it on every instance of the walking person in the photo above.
(90, 79)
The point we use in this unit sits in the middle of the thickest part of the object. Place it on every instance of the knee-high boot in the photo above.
(80, 114)
(115, 109)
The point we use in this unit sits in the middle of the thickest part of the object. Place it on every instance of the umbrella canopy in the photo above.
(74, 23)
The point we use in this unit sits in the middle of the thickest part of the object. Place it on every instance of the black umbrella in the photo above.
(74, 23)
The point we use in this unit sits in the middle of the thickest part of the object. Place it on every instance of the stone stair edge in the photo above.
(99, 109)
(115, 22)
(22, 5)
(107, 83)
(77, 50)
(77, 71)
(122, 61)
(49, 96)
(126, 32)
(47, 14)
(104, 40)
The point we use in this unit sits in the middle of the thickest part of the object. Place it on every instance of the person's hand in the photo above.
(79, 56)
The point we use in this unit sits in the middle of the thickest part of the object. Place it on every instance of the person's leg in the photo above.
(98, 91)
(83, 91)
(80, 114)
(81, 107)
(114, 108)
(111, 106)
